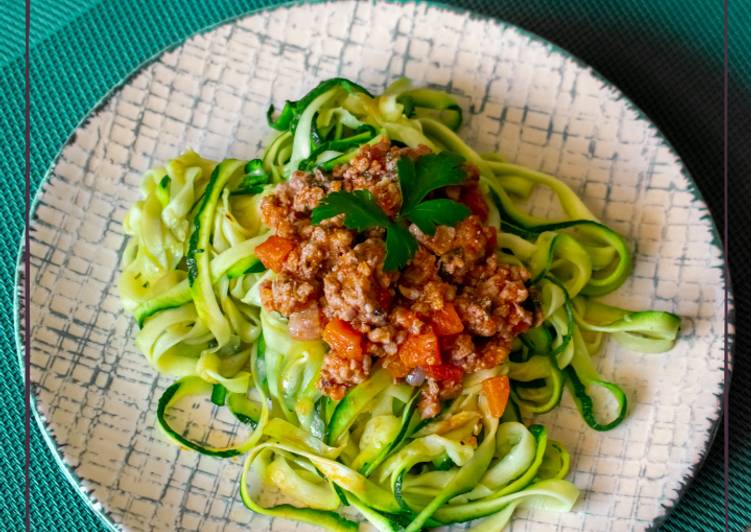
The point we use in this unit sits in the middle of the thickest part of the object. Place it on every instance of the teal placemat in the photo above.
(667, 56)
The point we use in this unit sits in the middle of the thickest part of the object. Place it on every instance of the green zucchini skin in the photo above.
(349, 146)
(430, 103)
(181, 293)
(493, 503)
(175, 297)
(162, 191)
(198, 259)
(406, 428)
(249, 264)
(355, 402)
(292, 110)
(218, 395)
(586, 406)
(595, 286)
(199, 239)
(185, 387)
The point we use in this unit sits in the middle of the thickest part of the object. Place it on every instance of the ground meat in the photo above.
(384, 340)
(460, 351)
(408, 320)
(476, 315)
(471, 356)
(494, 352)
(321, 246)
(307, 191)
(422, 268)
(305, 261)
(433, 297)
(287, 211)
(433, 393)
(421, 284)
(336, 273)
(429, 404)
(459, 249)
(492, 302)
(352, 289)
(275, 213)
(450, 389)
(374, 169)
(340, 373)
(286, 293)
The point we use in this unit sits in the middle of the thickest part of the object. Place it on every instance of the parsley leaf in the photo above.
(360, 209)
(405, 168)
(400, 247)
(428, 173)
(419, 178)
(428, 214)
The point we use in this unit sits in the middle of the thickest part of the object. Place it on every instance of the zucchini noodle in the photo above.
(191, 279)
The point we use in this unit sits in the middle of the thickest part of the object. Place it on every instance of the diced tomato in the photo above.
(420, 350)
(273, 251)
(492, 242)
(384, 298)
(473, 198)
(343, 339)
(444, 372)
(496, 391)
(446, 321)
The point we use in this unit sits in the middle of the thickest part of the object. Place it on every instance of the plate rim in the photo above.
(46, 429)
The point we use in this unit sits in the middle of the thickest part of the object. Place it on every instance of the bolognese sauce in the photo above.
(454, 309)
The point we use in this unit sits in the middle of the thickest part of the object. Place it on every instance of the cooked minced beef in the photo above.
(339, 373)
(353, 288)
(332, 273)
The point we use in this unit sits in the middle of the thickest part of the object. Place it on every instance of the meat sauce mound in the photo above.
(454, 308)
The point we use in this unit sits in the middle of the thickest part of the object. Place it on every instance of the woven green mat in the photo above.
(666, 55)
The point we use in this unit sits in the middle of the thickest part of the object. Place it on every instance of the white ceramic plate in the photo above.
(96, 395)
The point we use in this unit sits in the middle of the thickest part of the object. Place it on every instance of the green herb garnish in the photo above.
(428, 214)
(361, 210)
(430, 172)
(417, 179)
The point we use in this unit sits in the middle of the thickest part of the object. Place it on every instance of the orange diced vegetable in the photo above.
(395, 366)
(496, 390)
(472, 198)
(343, 339)
(420, 350)
(444, 372)
(446, 321)
(273, 251)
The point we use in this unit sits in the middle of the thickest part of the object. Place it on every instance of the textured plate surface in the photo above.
(96, 395)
